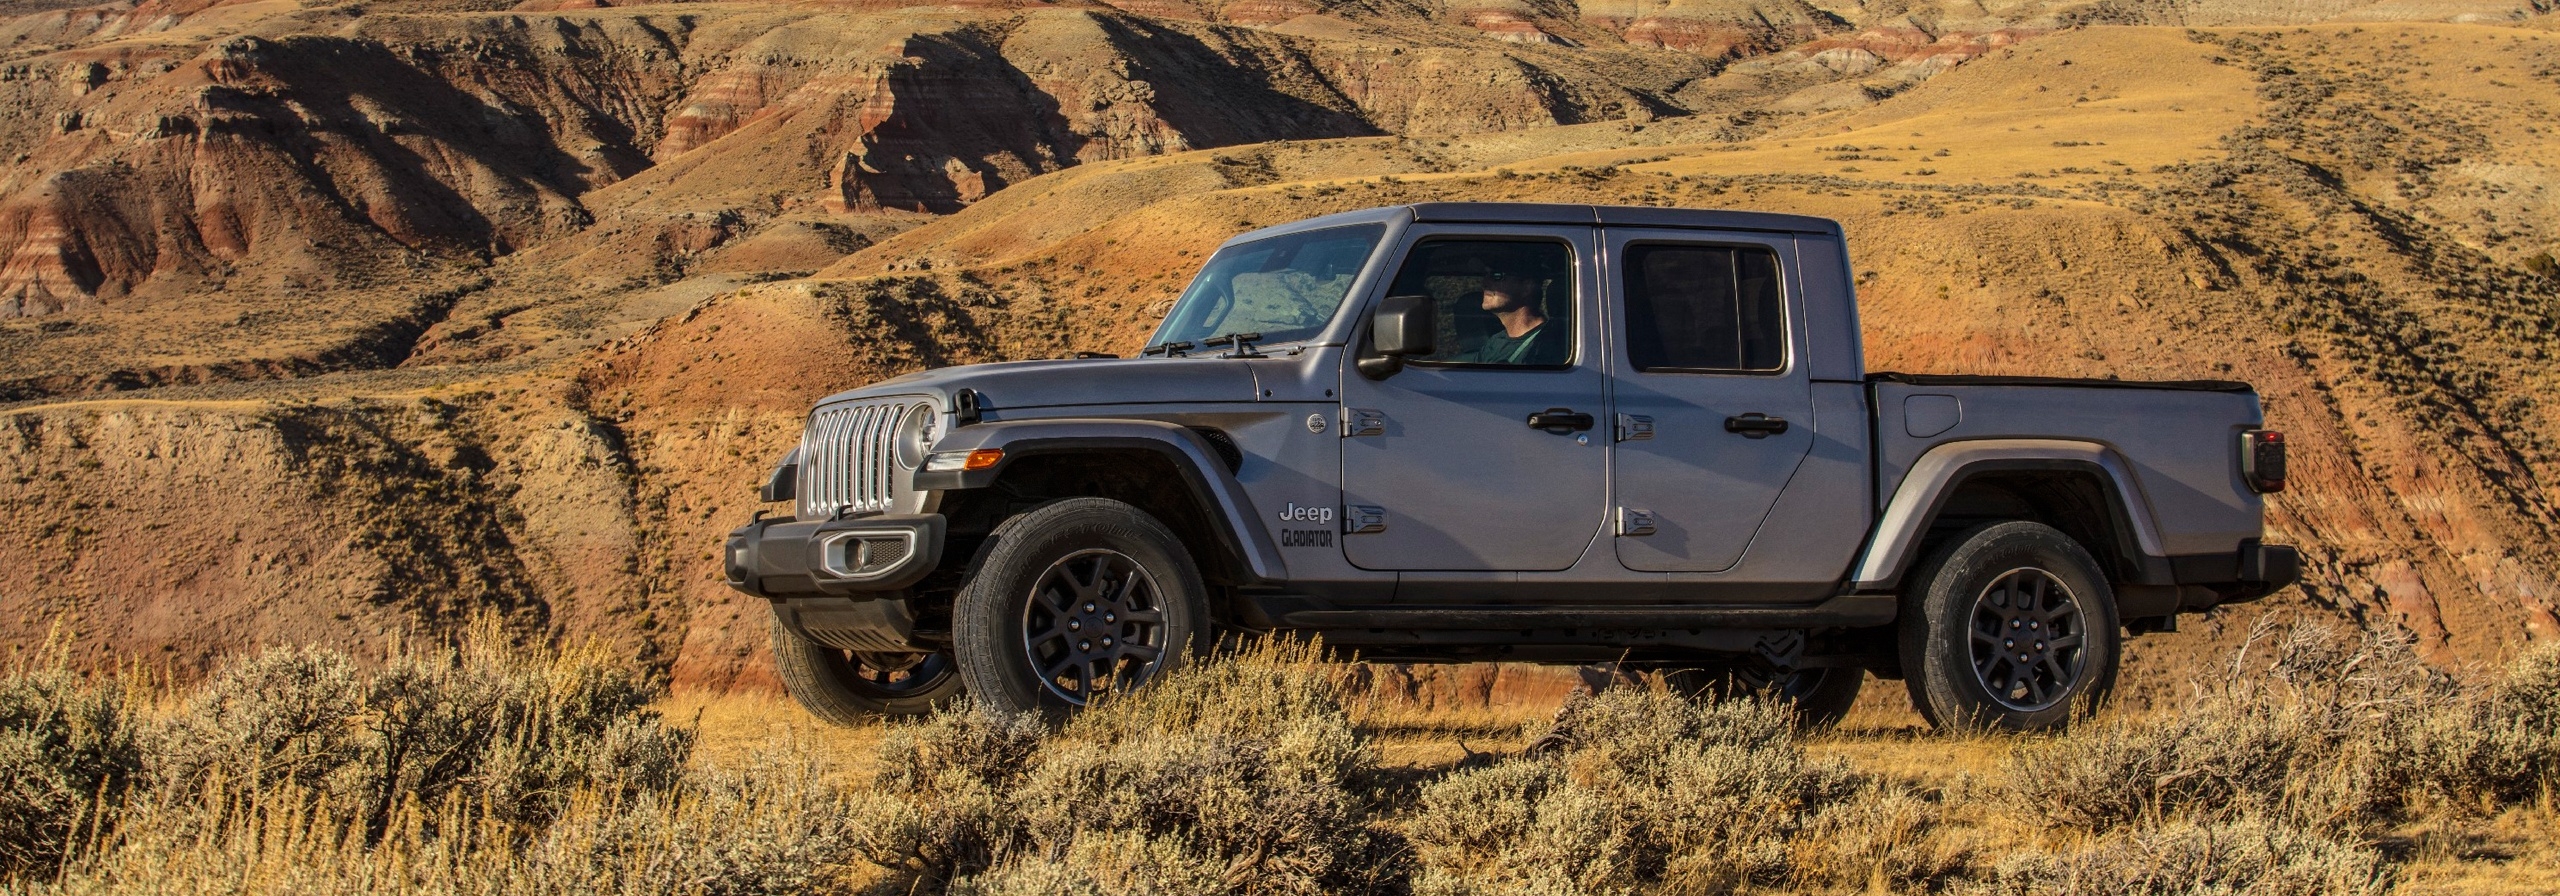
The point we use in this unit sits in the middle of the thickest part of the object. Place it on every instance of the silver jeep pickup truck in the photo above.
(1454, 432)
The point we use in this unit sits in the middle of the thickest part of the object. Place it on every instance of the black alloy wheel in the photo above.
(2027, 645)
(847, 687)
(2009, 625)
(1094, 622)
(1075, 599)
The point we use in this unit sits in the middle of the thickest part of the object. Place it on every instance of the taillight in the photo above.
(2262, 459)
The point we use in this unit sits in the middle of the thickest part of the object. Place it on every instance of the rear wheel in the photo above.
(2010, 625)
(1078, 598)
(1820, 697)
(845, 687)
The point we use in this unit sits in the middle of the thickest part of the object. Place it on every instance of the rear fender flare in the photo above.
(1936, 476)
(1213, 487)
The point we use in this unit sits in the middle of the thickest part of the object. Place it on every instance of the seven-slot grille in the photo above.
(848, 458)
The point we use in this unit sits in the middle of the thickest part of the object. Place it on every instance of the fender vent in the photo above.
(1225, 445)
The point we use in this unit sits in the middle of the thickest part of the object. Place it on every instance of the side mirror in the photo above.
(784, 483)
(1402, 326)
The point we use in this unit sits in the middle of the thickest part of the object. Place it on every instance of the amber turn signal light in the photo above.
(954, 461)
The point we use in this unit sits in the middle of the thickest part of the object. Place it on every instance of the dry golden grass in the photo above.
(2321, 764)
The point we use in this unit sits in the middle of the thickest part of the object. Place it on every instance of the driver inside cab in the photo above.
(1502, 302)
(1515, 299)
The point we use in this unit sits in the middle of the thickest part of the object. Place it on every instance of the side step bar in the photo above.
(1843, 611)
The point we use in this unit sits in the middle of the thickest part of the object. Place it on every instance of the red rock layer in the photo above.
(1264, 12)
(1509, 26)
(1905, 45)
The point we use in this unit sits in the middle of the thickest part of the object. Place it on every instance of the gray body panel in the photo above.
(1705, 490)
(1466, 484)
(1487, 516)
(2180, 447)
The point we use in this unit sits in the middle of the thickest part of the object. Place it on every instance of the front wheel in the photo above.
(2010, 625)
(846, 687)
(1077, 598)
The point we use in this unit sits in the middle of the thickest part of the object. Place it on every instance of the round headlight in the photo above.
(915, 435)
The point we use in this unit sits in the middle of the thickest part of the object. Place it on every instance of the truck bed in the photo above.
(2177, 441)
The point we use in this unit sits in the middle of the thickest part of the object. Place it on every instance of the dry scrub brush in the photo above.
(1641, 790)
(517, 731)
(67, 742)
(2281, 774)
(771, 826)
(2250, 856)
(484, 770)
(2315, 727)
(476, 768)
(1243, 775)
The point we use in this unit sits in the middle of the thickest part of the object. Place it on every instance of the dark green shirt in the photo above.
(1536, 348)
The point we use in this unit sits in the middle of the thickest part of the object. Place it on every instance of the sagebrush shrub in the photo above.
(513, 730)
(2249, 855)
(777, 823)
(773, 825)
(2495, 744)
(1108, 863)
(67, 750)
(1239, 775)
(940, 806)
(1882, 835)
(283, 716)
(2320, 730)
(1633, 790)
(2519, 720)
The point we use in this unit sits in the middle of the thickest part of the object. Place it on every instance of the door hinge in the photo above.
(1363, 422)
(1362, 519)
(1634, 428)
(1635, 521)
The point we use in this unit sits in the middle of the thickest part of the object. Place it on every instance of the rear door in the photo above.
(1442, 456)
(1714, 403)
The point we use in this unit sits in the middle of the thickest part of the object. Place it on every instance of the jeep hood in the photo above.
(1017, 385)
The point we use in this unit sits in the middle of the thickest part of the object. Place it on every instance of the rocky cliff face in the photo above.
(335, 324)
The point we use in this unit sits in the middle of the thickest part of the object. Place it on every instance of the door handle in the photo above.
(1755, 425)
(1560, 420)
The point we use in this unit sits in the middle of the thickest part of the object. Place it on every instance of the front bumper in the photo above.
(784, 558)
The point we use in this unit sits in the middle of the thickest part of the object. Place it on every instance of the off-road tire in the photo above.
(1820, 697)
(1983, 648)
(1046, 554)
(841, 687)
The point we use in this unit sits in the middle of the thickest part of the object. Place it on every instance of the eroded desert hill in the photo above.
(336, 323)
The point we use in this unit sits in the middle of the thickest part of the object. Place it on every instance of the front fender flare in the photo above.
(1229, 508)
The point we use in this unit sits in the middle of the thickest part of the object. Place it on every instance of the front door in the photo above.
(1442, 457)
(1715, 406)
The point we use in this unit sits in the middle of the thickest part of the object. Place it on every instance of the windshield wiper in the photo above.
(1170, 349)
(1239, 345)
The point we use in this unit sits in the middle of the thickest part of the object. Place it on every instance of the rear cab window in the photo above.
(1702, 308)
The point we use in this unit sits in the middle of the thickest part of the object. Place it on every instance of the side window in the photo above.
(1704, 309)
(1502, 303)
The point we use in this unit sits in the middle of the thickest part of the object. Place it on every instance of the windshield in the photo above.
(1285, 287)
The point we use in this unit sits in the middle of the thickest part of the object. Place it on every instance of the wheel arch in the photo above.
(2083, 489)
(1170, 471)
